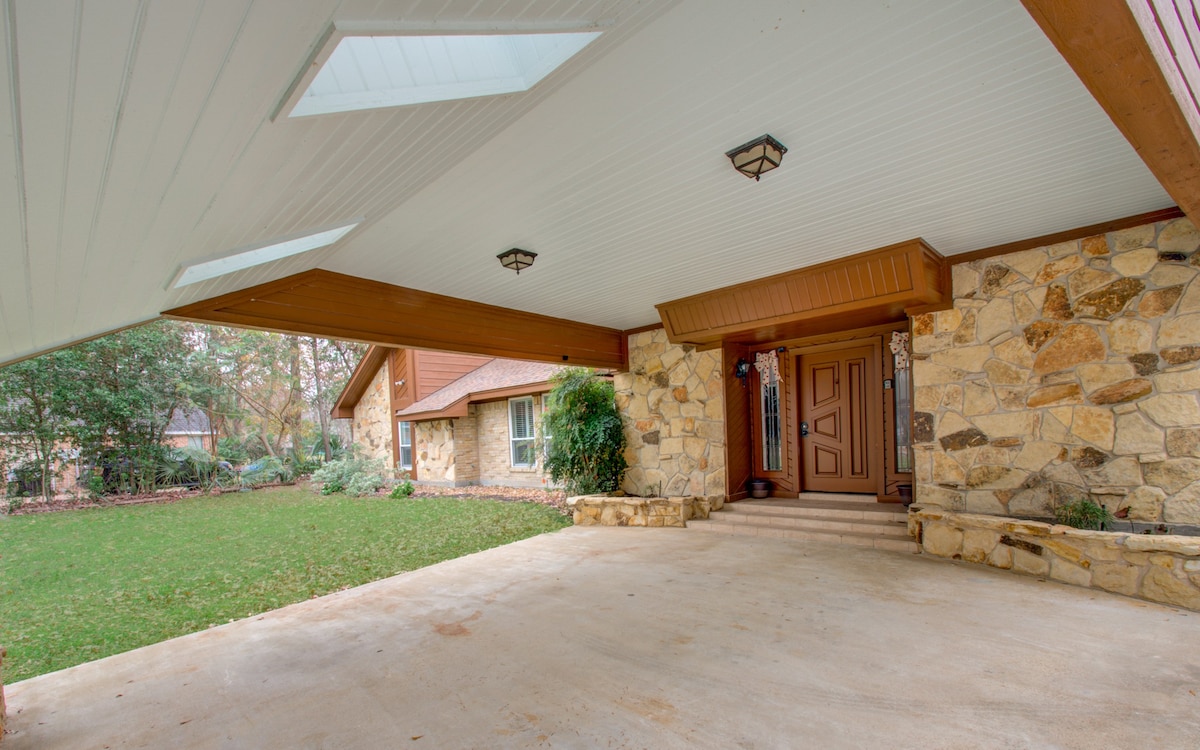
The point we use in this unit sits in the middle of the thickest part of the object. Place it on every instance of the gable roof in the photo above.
(499, 378)
(957, 122)
(359, 380)
(188, 422)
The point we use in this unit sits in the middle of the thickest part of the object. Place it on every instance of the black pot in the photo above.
(906, 494)
(759, 488)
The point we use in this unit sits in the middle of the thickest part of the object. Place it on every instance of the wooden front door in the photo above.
(840, 431)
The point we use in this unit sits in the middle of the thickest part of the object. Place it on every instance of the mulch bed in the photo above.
(554, 498)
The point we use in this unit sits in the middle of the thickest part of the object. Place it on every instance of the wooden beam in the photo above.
(323, 303)
(861, 290)
(1133, 56)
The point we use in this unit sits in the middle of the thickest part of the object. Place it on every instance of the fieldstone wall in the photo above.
(673, 401)
(435, 453)
(372, 425)
(603, 510)
(1163, 569)
(1066, 372)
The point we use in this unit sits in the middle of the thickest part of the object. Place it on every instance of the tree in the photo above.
(127, 388)
(583, 435)
(33, 417)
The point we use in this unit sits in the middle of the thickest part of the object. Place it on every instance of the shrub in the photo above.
(403, 490)
(585, 450)
(352, 475)
(1084, 514)
(268, 469)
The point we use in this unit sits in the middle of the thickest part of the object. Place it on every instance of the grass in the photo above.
(80, 585)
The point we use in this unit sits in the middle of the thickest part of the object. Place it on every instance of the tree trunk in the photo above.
(322, 412)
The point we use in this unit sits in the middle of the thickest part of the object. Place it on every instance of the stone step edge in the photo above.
(819, 514)
(893, 544)
(824, 525)
(865, 510)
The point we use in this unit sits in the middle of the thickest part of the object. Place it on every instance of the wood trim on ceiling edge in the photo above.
(586, 344)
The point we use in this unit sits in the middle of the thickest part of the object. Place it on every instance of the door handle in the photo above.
(804, 429)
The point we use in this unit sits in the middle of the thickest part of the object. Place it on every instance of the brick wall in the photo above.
(495, 457)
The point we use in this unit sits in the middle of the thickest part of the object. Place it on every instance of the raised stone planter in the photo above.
(1164, 569)
(604, 510)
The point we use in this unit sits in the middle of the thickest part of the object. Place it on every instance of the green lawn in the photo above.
(79, 585)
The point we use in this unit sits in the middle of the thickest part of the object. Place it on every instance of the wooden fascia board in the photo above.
(319, 302)
(453, 411)
(359, 381)
(496, 394)
(1118, 50)
(1070, 235)
(459, 407)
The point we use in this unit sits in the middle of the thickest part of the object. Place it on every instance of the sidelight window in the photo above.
(772, 430)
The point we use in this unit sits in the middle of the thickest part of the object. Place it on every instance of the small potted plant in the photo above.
(759, 488)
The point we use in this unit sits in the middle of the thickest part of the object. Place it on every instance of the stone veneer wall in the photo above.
(435, 452)
(1163, 569)
(1066, 372)
(673, 402)
(372, 423)
(495, 450)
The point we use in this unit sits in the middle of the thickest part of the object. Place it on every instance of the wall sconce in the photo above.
(516, 259)
(741, 370)
(759, 155)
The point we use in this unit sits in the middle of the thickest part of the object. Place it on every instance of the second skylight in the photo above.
(369, 72)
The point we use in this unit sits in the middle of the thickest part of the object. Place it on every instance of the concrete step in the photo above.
(827, 518)
(714, 524)
(872, 526)
(822, 508)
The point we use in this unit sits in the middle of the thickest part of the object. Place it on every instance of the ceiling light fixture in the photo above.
(759, 155)
(516, 259)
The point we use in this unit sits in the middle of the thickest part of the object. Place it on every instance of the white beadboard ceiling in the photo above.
(136, 136)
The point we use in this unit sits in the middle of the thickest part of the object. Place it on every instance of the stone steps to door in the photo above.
(861, 524)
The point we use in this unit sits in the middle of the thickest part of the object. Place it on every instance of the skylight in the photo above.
(371, 71)
(257, 255)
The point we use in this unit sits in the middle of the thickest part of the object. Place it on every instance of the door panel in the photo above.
(836, 392)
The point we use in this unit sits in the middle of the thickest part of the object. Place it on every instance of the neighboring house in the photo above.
(187, 429)
(190, 429)
(449, 419)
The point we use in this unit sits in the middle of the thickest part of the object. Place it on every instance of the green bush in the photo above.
(352, 475)
(585, 447)
(1084, 514)
(268, 469)
(403, 490)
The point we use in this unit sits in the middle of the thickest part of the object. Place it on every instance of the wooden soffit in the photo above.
(1139, 59)
(333, 305)
(867, 289)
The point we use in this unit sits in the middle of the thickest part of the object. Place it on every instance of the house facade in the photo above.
(448, 419)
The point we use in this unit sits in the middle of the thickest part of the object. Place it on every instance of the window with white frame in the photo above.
(521, 430)
(406, 445)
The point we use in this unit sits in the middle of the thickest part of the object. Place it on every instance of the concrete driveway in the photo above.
(652, 638)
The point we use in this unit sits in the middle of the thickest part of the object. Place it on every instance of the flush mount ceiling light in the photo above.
(758, 156)
(516, 259)
(258, 254)
(366, 69)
